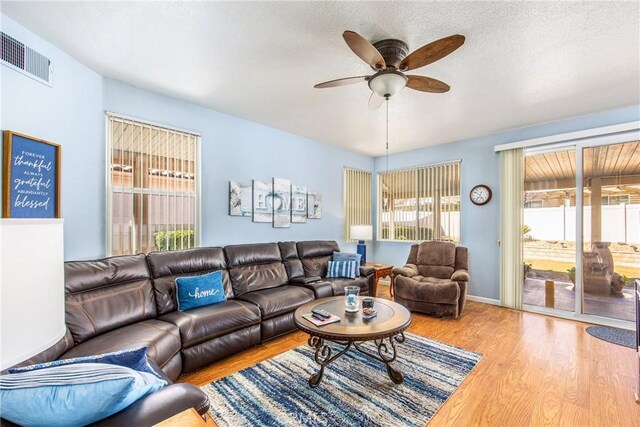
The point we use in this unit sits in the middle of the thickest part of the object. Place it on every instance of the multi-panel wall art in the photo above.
(278, 202)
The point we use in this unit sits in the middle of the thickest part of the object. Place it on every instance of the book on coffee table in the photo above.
(318, 322)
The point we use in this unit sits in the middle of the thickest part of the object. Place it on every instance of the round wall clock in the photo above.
(480, 194)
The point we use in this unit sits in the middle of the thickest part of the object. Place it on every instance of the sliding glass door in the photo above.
(549, 228)
(581, 243)
(611, 229)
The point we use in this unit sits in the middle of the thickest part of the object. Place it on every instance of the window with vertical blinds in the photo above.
(152, 180)
(420, 203)
(357, 199)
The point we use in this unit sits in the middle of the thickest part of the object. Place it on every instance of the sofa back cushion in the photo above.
(437, 253)
(255, 266)
(437, 271)
(106, 294)
(292, 263)
(167, 266)
(315, 256)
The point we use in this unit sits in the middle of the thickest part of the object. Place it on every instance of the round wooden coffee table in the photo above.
(385, 331)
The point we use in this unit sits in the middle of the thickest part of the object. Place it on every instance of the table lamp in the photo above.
(32, 288)
(362, 233)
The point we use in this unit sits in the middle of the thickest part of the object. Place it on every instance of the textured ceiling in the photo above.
(522, 63)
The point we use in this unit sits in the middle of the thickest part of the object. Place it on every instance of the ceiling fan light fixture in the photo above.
(387, 83)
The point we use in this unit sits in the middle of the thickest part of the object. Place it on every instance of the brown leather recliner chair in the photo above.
(434, 280)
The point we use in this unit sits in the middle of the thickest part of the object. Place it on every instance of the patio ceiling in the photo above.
(617, 164)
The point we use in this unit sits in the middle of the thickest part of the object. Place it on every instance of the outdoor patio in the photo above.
(564, 299)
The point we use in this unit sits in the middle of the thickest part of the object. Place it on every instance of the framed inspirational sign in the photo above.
(31, 176)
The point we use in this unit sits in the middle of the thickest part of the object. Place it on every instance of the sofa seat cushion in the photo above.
(338, 285)
(211, 321)
(437, 271)
(162, 339)
(437, 291)
(276, 301)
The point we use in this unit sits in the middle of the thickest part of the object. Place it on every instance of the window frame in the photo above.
(109, 187)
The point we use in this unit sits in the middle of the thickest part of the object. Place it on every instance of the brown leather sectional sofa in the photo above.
(128, 301)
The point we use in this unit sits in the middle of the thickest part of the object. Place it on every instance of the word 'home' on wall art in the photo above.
(279, 202)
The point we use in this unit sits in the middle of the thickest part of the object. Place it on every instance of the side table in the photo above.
(381, 270)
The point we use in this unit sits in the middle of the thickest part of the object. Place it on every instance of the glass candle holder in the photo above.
(351, 303)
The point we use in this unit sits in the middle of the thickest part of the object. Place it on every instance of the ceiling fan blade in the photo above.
(342, 82)
(364, 49)
(431, 52)
(427, 84)
(375, 101)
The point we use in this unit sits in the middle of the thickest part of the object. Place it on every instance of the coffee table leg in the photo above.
(323, 356)
(387, 354)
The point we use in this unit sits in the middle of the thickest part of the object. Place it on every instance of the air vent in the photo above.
(21, 57)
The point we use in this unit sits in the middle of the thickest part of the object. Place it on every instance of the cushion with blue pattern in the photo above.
(347, 256)
(134, 358)
(345, 269)
(72, 394)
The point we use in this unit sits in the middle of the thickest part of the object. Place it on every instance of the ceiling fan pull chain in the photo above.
(387, 153)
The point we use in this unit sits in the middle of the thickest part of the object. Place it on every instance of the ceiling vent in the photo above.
(22, 58)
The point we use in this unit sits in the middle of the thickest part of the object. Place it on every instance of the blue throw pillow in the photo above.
(135, 358)
(342, 269)
(196, 291)
(346, 256)
(72, 394)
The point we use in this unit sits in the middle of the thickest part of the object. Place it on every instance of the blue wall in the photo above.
(239, 150)
(72, 114)
(480, 165)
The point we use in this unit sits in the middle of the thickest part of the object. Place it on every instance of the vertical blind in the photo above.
(357, 199)
(420, 203)
(152, 197)
(511, 259)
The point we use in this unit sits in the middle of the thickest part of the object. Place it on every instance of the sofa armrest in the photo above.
(367, 271)
(159, 406)
(408, 270)
(460, 276)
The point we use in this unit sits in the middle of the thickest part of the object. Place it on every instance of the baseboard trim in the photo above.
(483, 300)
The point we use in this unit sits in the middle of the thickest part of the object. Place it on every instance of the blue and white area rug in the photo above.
(613, 335)
(355, 389)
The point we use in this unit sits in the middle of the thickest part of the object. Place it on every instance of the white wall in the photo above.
(620, 223)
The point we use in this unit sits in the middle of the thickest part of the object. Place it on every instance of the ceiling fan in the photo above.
(390, 59)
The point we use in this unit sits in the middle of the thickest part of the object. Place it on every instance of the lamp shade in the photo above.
(361, 232)
(387, 83)
(32, 288)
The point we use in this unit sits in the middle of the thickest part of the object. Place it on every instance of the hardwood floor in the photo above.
(536, 370)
